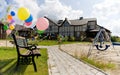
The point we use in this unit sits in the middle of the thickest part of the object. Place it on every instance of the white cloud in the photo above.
(3, 6)
(31, 5)
(107, 14)
(55, 10)
(50, 8)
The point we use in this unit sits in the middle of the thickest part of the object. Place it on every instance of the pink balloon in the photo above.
(28, 23)
(8, 31)
(42, 24)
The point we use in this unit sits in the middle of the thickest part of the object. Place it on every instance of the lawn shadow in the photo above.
(9, 67)
(5, 62)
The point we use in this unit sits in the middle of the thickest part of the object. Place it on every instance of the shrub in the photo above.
(72, 38)
(66, 38)
(115, 39)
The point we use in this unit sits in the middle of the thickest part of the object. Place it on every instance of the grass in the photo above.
(8, 62)
(54, 42)
(99, 64)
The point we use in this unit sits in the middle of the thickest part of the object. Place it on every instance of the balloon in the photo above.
(11, 27)
(12, 13)
(42, 24)
(9, 17)
(28, 23)
(40, 31)
(5, 27)
(23, 13)
(29, 19)
(8, 31)
(12, 21)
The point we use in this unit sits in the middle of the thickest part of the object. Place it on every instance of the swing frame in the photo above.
(101, 39)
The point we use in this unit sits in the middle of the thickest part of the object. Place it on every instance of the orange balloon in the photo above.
(9, 17)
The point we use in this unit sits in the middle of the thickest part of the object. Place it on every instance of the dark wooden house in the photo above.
(2, 31)
(23, 31)
(81, 29)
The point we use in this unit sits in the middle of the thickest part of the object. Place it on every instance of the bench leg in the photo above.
(34, 65)
(18, 62)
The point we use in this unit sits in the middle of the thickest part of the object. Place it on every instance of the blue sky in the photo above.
(106, 11)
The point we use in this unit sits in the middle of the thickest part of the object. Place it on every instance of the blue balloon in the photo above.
(29, 19)
(12, 13)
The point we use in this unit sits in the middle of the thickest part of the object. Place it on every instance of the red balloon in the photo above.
(42, 24)
(28, 23)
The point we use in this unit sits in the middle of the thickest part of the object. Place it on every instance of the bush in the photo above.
(115, 39)
(72, 38)
(66, 38)
(60, 38)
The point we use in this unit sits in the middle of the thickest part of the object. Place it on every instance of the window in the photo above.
(50, 27)
(66, 24)
(91, 24)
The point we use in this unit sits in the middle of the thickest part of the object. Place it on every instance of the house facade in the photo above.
(2, 31)
(80, 29)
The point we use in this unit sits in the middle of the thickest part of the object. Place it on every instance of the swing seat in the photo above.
(116, 43)
(102, 49)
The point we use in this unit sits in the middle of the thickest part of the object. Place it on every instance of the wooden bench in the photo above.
(31, 51)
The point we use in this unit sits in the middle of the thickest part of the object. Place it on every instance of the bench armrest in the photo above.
(31, 47)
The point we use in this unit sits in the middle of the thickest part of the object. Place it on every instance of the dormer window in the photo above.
(91, 24)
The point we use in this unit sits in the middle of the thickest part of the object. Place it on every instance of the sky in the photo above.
(107, 12)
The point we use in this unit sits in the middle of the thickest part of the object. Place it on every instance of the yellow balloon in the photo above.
(12, 27)
(23, 13)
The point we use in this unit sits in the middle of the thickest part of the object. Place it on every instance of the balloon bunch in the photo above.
(9, 25)
(24, 14)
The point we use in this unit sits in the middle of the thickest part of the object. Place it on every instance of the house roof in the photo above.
(105, 28)
(81, 22)
(1, 22)
(51, 21)
(19, 27)
(73, 22)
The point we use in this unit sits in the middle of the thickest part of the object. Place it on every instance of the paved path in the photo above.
(60, 63)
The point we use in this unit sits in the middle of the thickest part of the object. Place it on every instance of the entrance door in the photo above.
(77, 35)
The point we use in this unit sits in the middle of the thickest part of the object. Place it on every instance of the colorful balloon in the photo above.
(11, 27)
(40, 32)
(29, 19)
(23, 13)
(12, 21)
(8, 31)
(12, 13)
(28, 23)
(42, 24)
(5, 27)
(9, 17)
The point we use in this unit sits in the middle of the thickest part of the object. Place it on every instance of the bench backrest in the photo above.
(19, 42)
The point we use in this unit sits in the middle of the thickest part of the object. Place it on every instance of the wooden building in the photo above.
(23, 31)
(80, 28)
(2, 31)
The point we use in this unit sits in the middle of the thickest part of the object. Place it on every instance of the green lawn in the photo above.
(8, 62)
(54, 42)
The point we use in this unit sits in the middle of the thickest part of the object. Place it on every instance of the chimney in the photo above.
(65, 18)
(80, 18)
